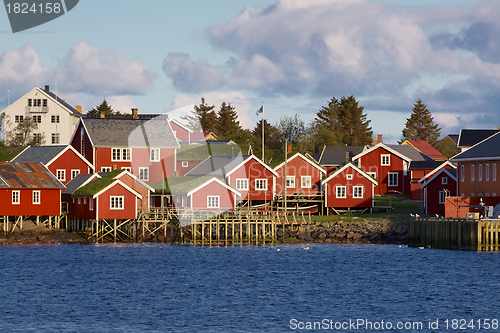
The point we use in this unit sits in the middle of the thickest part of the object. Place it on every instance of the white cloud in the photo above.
(182, 105)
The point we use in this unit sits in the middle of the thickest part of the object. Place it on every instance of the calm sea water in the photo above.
(163, 288)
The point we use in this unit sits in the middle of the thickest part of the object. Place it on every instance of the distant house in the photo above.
(56, 120)
(332, 156)
(181, 131)
(29, 189)
(425, 148)
(389, 164)
(64, 162)
(470, 137)
(303, 176)
(246, 173)
(349, 187)
(418, 170)
(439, 186)
(146, 148)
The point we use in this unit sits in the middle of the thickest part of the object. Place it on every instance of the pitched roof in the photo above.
(27, 175)
(299, 155)
(425, 148)
(99, 185)
(405, 152)
(442, 165)
(189, 184)
(62, 101)
(425, 165)
(484, 150)
(354, 167)
(79, 181)
(450, 172)
(454, 137)
(132, 133)
(470, 137)
(46, 154)
(335, 156)
(223, 166)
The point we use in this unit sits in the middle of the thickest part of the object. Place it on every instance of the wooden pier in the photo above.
(454, 234)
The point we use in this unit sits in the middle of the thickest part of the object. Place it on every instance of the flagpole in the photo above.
(263, 132)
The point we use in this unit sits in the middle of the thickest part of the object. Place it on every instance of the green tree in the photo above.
(291, 128)
(341, 123)
(447, 147)
(24, 134)
(271, 140)
(103, 107)
(203, 118)
(420, 125)
(229, 127)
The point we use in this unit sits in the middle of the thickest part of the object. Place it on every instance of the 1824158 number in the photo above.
(24, 8)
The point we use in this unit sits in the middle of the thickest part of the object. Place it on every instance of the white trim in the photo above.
(282, 164)
(424, 178)
(119, 182)
(354, 191)
(383, 146)
(240, 179)
(213, 196)
(63, 171)
(121, 199)
(292, 179)
(217, 180)
(302, 182)
(337, 191)
(39, 197)
(265, 182)
(159, 154)
(184, 127)
(75, 170)
(473, 158)
(382, 157)
(134, 177)
(437, 175)
(355, 168)
(389, 179)
(139, 172)
(18, 202)
(248, 159)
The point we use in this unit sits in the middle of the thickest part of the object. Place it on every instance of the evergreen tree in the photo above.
(203, 118)
(103, 107)
(271, 140)
(420, 125)
(447, 147)
(229, 127)
(341, 123)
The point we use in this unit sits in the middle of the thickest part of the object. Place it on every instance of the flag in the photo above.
(260, 110)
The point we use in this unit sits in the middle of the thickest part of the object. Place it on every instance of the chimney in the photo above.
(374, 141)
(115, 167)
(102, 114)
(78, 108)
(347, 156)
(379, 138)
(135, 113)
(47, 88)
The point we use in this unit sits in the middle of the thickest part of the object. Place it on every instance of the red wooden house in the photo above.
(65, 162)
(181, 131)
(144, 147)
(246, 173)
(390, 165)
(439, 186)
(333, 157)
(349, 187)
(28, 189)
(104, 198)
(425, 148)
(302, 176)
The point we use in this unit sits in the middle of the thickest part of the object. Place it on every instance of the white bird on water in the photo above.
(306, 248)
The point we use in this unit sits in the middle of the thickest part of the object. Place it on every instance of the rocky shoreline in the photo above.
(33, 234)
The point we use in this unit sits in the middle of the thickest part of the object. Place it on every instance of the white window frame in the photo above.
(129, 169)
(305, 182)
(213, 201)
(392, 184)
(185, 164)
(61, 175)
(480, 172)
(91, 204)
(290, 181)
(106, 169)
(54, 119)
(487, 172)
(55, 138)
(472, 173)
(242, 184)
(372, 174)
(357, 192)
(385, 159)
(444, 180)
(154, 154)
(117, 202)
(261, 184)
(349, 176)
(494, 172)
(121, 154)
(442, 196)
(340, 192)
(74, 173)
(16, 197)
(462, 173)
(36, 197)
(18, 119)
(144, 173)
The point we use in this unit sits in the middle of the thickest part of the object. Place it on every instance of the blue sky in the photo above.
(293, 55)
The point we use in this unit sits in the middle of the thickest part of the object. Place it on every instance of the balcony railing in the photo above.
(37, 109)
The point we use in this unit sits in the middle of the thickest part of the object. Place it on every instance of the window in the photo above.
(442, 196)
(29, 101)
(290, 181)
(213, 201)
(105, 169)
(36, 197)
(37, 102)
(37, 119)
(19, 119)
(349, 176)
(144, 174)
(480, 172)
(487, 172)
(444, 180)
(75, 173)
(392, 178)
(372, 174)
(341, 191)
(494, 172)
(55, 138)
(79, 200)
(242, 183)
(54, 119)
(44, 102)
(116, 202)
(91, 204)
(61, 175)
(129, 169)
(305, 181)
(472, 173)
(493, 194)
(84, 201)
(357, 192)
(185, 164)
(37, 138)
(120, 154)
(261, 184)
(154, 155)
(462, 173)
(385, 159)
(16, 198)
